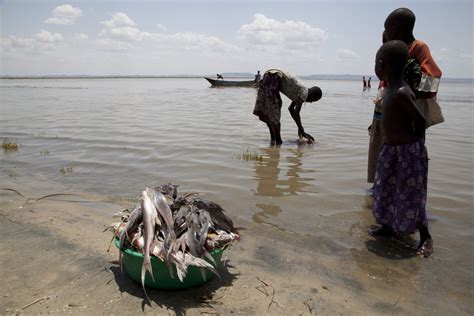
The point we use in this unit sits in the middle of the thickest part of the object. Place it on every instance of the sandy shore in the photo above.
(54, 260)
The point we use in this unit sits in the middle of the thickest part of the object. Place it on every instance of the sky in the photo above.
(145, 37)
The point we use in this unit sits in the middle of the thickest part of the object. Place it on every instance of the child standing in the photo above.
(400, 187)
(375, 132)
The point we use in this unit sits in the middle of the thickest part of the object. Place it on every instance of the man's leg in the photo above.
(272, 134)
(276, 133)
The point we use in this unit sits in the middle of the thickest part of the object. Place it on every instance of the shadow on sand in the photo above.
(178, 300)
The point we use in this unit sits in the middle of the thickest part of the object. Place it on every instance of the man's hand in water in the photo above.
(306, 135)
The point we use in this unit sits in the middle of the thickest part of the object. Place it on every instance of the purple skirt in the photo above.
(400, 187)
(268, 103)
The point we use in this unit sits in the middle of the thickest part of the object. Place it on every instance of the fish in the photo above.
(169, 189)
(150, 218)
(220, 238)
(161, 205)
(198, 223)
(133, 220)
(180, 219)
(164, 212)
(192, 240)
(218, 215)
(183, 260)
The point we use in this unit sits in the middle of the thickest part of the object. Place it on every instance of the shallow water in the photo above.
(118, 135)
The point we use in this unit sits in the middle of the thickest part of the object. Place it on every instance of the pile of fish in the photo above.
(179, 230)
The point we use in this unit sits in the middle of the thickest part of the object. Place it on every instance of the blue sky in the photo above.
(206, 37)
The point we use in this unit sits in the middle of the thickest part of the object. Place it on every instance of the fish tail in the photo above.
(120, 261)
(146, 266)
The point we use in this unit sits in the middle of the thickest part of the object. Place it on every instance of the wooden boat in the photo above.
(229, 83)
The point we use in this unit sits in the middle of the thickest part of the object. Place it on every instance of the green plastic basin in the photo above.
(132, 262)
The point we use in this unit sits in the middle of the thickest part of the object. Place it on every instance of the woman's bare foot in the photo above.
(425, 249)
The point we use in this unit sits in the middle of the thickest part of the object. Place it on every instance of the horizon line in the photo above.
(230, 75)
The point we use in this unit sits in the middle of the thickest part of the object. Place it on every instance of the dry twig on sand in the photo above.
(28, 199)
(272, 296)
(36, 301)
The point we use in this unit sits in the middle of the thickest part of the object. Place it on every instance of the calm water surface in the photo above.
(119, 135)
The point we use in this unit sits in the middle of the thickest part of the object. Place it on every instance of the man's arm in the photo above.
(295, 108)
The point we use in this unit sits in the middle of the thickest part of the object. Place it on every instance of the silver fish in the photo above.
(150, 218)
(134, 220)
(160, 202)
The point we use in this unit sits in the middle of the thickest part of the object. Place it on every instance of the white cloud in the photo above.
(161, 28)
(121, 28)
(468, 58)
(347, 54)
(43, 41)
(64, 14)
(112, 45)
(119, 19)
(13, 42)
(82, 36)
(50, 38)
(192, 41)
(264, 33)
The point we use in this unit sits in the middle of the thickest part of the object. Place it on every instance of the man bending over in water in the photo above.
(400, 186)
(268, 103)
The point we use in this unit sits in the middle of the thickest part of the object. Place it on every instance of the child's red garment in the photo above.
(426, 102)
(431, 74)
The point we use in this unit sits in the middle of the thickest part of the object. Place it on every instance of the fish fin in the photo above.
(169, 199)
(181, 274)
(210, 258)
(203, 273)
(181, 268)
(170, 268)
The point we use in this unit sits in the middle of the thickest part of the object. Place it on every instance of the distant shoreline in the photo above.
(243, 76)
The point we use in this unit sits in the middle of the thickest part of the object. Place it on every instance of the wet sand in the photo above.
(54, 257)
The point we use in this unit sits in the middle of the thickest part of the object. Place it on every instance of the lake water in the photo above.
(111, 137)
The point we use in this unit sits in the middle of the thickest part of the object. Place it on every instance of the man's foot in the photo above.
(383, 231)
(425, 249)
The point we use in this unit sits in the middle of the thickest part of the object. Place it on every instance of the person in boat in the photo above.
(400, 187)
(219, 76)
(268, 103)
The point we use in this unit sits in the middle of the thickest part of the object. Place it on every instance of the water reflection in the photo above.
(278, 175)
